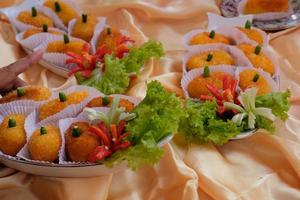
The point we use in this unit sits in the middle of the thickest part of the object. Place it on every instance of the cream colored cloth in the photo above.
(262, 167)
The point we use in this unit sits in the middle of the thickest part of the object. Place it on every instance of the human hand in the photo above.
(9, 79)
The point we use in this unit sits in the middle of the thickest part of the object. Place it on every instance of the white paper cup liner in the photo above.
(273, 85)
(72, 110)
(238, 56)
(101, 23)
(264, 16)
(191, 75)
(10, 109)
(55, 18)
(58, 59)
(35, 40)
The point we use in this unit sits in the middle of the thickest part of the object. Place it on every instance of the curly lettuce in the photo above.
(277, 101)
(202, 125)
(137, 57)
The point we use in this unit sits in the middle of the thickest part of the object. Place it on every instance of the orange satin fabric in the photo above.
(261, 167)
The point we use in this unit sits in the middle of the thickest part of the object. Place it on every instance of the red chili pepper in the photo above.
(227, 95)
(214, 91)
(102, 51)
(123, 39)
(121, 50)
(114, 132)
(99, 154)
(221, 109)
(103, 127)
(233, 88)
(226, 83)
(74, 55)
(121, 127)
(124, 145)
(133, 77)
(86, 73)
(103, 136)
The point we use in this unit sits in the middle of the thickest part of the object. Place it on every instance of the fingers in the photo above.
(22, 64)
(19, 83)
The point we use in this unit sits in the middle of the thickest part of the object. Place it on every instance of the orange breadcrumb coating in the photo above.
(203, 38)
(14, 138)
(34, 31)
(109, 39)
(198, 86)
(55, 106)
(67, 12)
(97, 102)
(85, 30)
(258, 61)
(38, 21)
(263, 6)
(60, 47)
(45, 147)
(253, 35)
(79, 148)
(246, 81)
(35, 93)
(219, 57)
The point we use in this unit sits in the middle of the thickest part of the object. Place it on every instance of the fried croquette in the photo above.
(209, 38)
(65, 45)
(44, 144)
(35, 93)
(12, 134)
(34, 18)
(56, 105)
(109, 37)
(84, 27)
(33, 31)
(251, 78)
(107, 101)
(216, 57)
(198, 86)
(79, 142)
(62, 10)
(263, 6)
(253, 35)
(258, 58)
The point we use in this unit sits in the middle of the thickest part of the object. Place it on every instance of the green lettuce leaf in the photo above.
(159, 112)
(137, 57)
(202, 125)
(265, 123)
(277, 101)
(115, 80)
(145, 152)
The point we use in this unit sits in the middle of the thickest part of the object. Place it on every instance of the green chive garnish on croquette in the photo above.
(212, 34)
(76, 131)
(206, 72)
(43, 130)
(12, 123)
(62, 97)
(20, 92)
(105, 101)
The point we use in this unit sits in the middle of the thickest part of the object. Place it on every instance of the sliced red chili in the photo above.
(214, 91)
(124, 145)
(121, 127)
(99, 154)
(102, 135)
